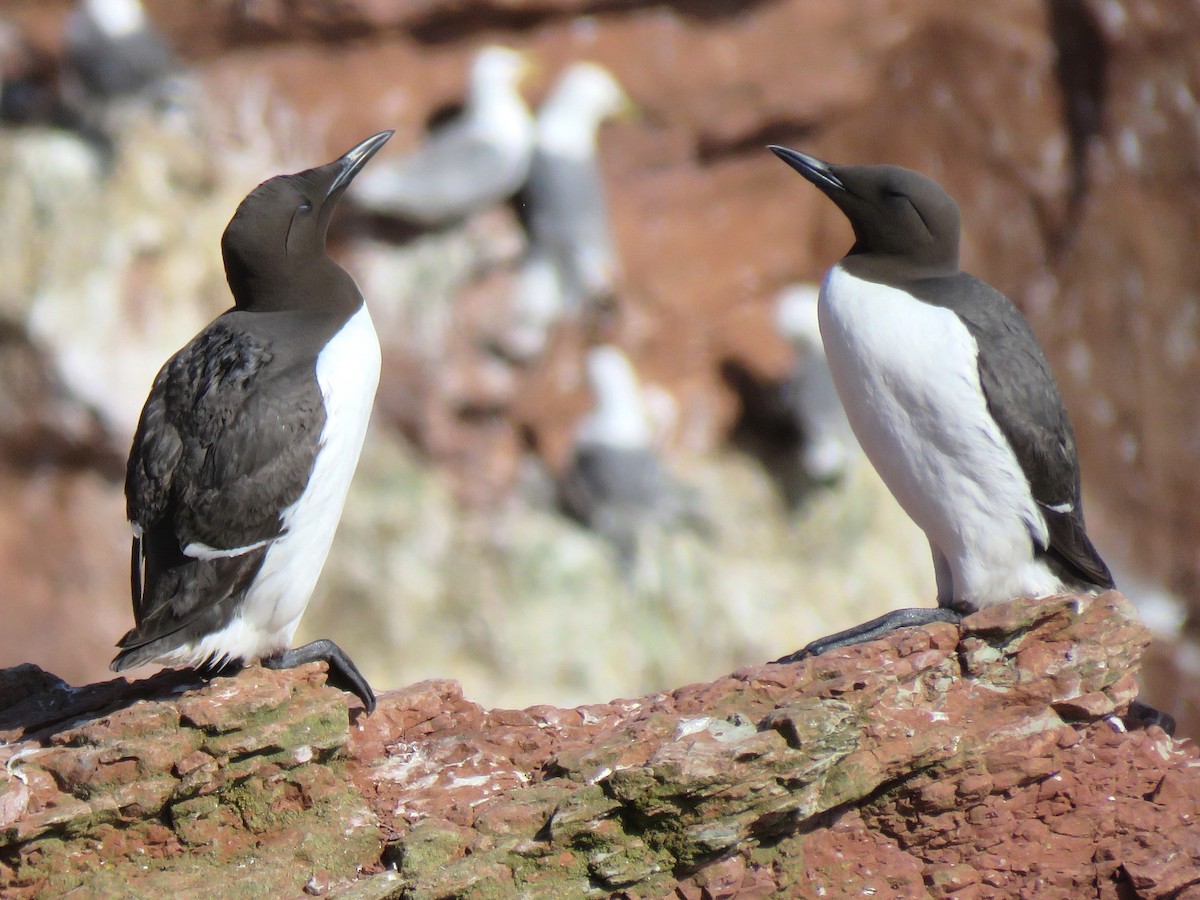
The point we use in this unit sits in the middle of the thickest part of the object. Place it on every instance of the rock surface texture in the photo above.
(991, 762)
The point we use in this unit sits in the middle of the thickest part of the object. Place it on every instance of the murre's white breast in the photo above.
(348, 374)
(907, 374)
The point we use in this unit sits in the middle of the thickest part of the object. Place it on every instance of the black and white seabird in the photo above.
(952, 399)
(475, 160)
(248, 441)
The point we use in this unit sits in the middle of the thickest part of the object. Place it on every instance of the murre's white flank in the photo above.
(952, 400)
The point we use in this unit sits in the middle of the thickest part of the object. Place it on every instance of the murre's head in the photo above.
(894, 211)
(278, 232)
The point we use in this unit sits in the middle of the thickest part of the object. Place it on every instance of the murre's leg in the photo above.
(873, 630)
(342, 672)
(944, 575)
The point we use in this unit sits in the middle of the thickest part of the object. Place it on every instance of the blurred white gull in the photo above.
(477, 159)
(808, 394)
(571, 260)
(112, 51)
(615, 483)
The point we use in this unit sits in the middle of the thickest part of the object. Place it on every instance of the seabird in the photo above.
(536, 305)
(615, 482)
(477, 159)
(113, 51)
(28, 79)
(248, 441)
(571, 260)
(808, 394)
(952, 400)
(568, 214)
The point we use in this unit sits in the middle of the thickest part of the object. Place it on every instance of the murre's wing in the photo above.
(1030, 413)
(226, 443)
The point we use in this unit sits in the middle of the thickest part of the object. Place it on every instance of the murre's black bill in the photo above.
(353, 160)
(815, 170)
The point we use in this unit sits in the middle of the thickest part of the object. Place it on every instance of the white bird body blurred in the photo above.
(476, 160)
(809, 394)
(572, 260)
(615, 483)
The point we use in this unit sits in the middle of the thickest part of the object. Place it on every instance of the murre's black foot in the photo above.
(342, 672)
(876, 628)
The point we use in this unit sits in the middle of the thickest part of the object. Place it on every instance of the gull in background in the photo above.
(809, 395)
(478, 159)
(113, 51)
(571, 261)
(615, 482)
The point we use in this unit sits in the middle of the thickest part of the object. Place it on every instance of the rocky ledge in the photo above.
(996, 760)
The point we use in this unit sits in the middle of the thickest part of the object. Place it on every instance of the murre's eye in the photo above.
(305, 206)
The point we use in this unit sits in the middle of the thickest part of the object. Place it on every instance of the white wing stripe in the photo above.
(196, 550)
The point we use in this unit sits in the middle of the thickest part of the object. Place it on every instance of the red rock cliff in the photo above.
(991, 762)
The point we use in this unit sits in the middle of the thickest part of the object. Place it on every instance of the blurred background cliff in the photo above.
(1068, 130)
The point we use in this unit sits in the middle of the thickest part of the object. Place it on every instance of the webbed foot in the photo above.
(873, 630)
(342, 672)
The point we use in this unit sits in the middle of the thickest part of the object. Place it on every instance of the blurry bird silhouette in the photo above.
(112, 51)
(571, 261)
(809, 396)
(615, 483)
(473, 161)
(28, 79)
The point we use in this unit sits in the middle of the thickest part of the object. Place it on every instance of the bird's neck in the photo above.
(320, 286)
(500, 112)
(116, 18)
(565, 133)
(619, 422)
(895, 268)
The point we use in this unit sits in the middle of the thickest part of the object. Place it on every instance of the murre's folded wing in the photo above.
(225, 445)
